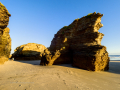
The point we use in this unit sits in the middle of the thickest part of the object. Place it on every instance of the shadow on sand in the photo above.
(33, 62)
(114, 65)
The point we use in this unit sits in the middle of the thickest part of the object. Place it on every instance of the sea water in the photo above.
(114, 57)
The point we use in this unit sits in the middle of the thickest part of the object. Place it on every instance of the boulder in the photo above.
(80, 33)
(5, 40)
(30, 51)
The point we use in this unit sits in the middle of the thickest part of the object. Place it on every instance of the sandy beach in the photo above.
(29, 75)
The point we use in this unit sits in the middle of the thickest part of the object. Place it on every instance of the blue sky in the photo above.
(36, 21)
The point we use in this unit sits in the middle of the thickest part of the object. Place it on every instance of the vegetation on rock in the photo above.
(89, 15)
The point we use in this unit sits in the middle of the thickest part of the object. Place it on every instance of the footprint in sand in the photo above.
(70, 72)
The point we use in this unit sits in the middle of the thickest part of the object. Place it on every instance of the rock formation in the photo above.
(48, 57)
(93, 58)
(30, 51)
(80, 44)
(5, 40)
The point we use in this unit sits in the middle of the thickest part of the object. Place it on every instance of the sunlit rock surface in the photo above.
(30, 51)
(77, 41)
(5, 40)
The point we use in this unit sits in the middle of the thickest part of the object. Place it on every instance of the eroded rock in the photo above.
(30, 51)
(48, 57)
(93, 58)
(5, 40)
(81, 33)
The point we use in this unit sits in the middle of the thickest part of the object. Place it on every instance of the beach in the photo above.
(29, 75)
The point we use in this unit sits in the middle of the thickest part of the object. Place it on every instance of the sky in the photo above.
(36, 21)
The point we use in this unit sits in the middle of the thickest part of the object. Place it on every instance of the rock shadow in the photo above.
(27, 55)
(33, 62)
(114, 67)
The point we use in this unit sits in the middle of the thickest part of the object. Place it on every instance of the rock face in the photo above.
(80, 44)
(48, 57)
(30, 51)
(5, 40)
(93, 58)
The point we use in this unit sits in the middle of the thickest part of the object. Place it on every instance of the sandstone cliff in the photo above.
(80, 44)
(30, 51)
(5, 40)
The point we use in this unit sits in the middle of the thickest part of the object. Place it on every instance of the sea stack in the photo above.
(5, 40)
(80, 44)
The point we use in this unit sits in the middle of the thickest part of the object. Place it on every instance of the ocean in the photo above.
(114, 57)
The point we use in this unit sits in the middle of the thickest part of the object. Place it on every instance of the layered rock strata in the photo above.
(93, 58)
(30, 51)
(81, 38)
(5, 40)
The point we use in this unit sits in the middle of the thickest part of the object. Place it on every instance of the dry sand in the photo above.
(29, 75)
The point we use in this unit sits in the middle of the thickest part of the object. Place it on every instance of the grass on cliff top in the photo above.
(89, 15)
(67, 27)
(77, 19)
(2, 6)
(4, 9)
(70, 26)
